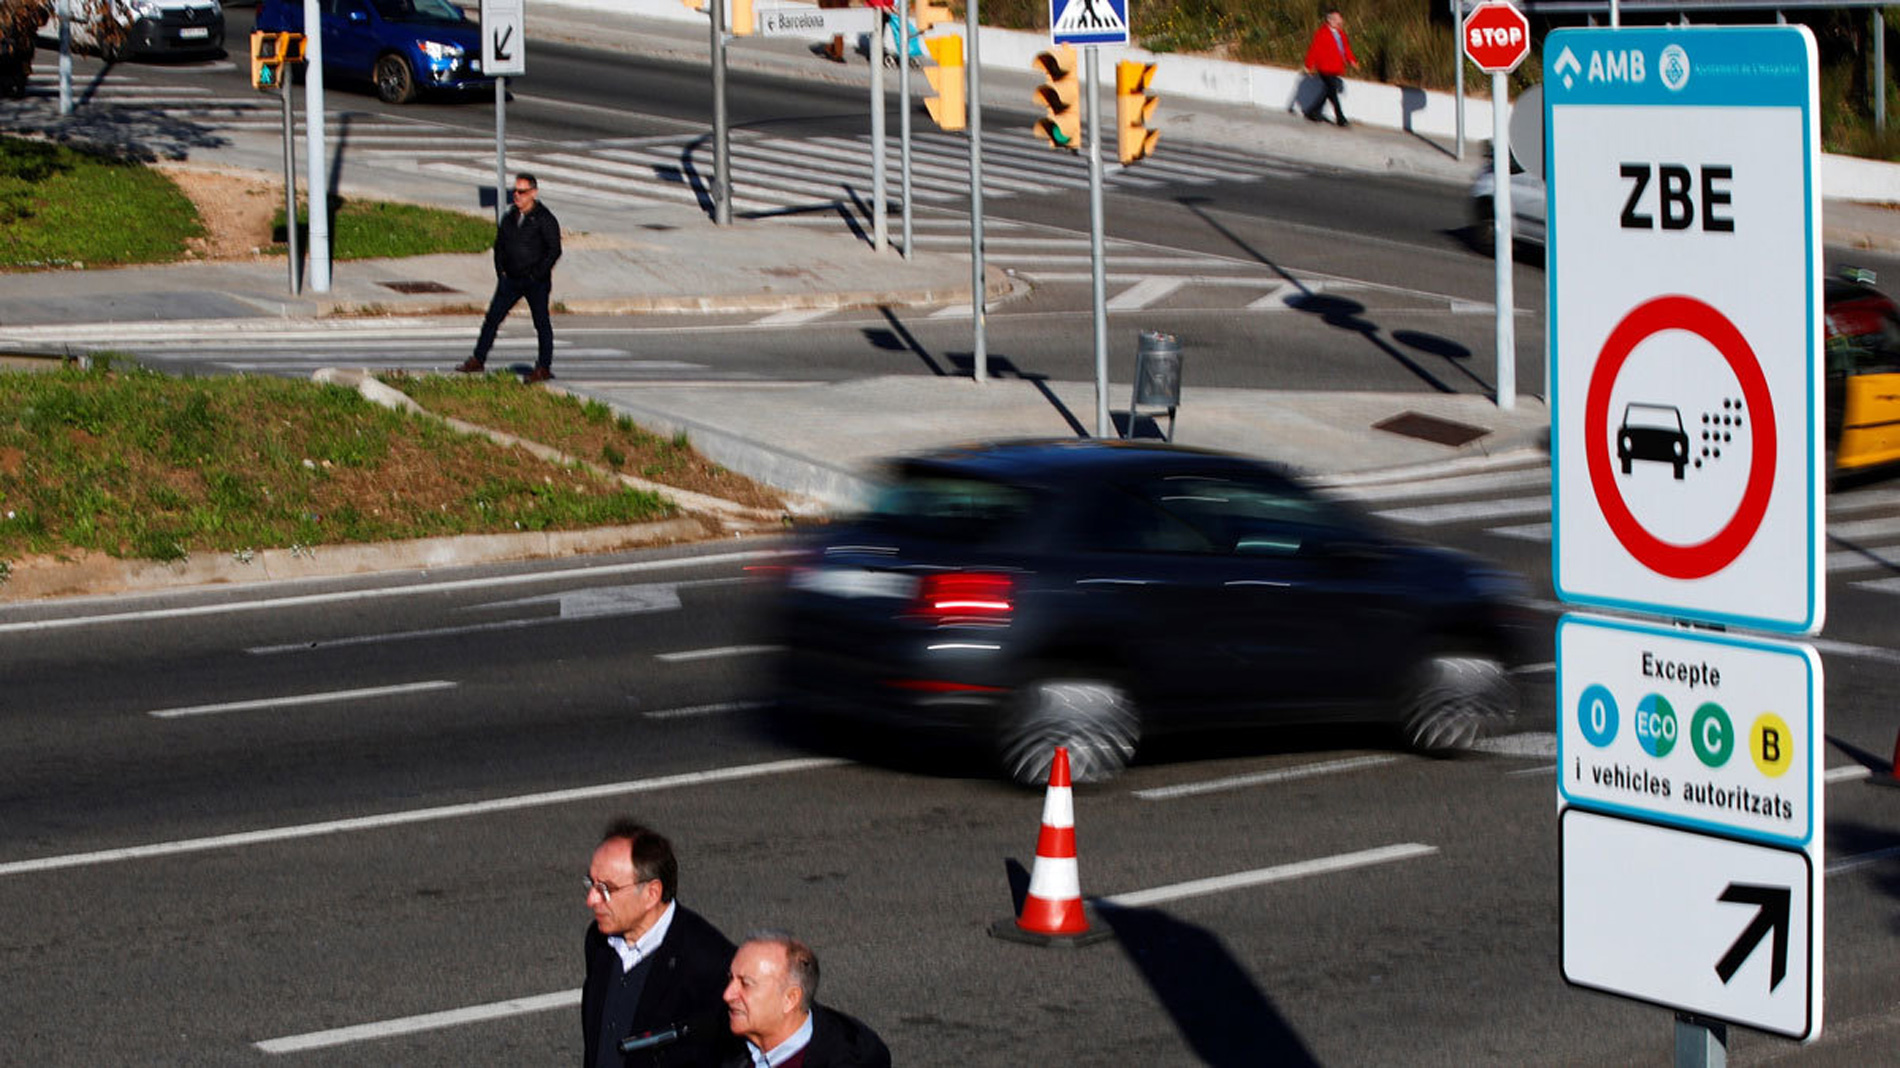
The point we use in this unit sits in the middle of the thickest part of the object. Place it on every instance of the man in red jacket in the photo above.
(1328, 58)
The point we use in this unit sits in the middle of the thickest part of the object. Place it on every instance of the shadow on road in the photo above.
(1212, 1000)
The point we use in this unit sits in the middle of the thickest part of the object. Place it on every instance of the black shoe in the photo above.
(539, 374)
(1311, 117)
(1343, 124)
(471, 366)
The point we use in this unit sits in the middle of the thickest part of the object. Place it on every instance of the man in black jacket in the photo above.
(653, 966)
(527, 242)
(769, 1001)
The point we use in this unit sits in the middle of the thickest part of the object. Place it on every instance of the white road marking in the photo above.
(1145, 292)
(711, 654)
(1847, 773)
(1861, 860)
(415, 815)
(1539, 744)
(705, 710)
(272, 604)
(1237, 782)
(303, 699)
(792, 316)
(432, 1021)
(1457, 511)
(1261, 876)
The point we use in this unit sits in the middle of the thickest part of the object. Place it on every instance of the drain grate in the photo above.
(1431, 428)
(418, 287)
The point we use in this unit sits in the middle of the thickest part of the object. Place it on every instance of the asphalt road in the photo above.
(264, 815)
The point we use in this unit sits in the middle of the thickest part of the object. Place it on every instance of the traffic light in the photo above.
(292, 49)
(742, 22)
(925, 15)
(1061, 94)
(1133, 107)
(267, 59)
(946, 77)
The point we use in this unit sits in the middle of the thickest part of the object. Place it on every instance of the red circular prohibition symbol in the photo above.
(1666, 558)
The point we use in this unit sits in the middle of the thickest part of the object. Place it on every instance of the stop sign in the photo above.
(1497, 37)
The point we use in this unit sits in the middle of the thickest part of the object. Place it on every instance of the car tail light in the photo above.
(952, 597)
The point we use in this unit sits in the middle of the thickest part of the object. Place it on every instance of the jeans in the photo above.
(508, 292)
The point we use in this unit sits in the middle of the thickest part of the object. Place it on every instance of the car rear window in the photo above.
(950, 508)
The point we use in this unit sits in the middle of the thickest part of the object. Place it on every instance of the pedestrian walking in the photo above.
(653, 965)
(527, 244)
(770, 999)
(1328, 58)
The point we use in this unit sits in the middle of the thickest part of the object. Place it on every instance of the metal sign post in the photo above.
(504, 54)
(290, 183)
(903, 121)
(318, 162)
(722, 146)
(880, 225)
(979, 342)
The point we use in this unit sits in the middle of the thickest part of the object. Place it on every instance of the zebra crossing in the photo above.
(200, 107)
(1513, 501)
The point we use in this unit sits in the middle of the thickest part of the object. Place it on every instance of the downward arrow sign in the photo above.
(1772, 915)
(502, 36)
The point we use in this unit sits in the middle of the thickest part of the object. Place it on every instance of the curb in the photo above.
(94, 574)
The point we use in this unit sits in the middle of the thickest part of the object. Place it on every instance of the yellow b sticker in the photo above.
(1770, 745)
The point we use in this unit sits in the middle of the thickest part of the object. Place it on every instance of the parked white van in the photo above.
(153, 27)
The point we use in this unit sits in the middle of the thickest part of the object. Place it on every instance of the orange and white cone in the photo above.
(1054, 904)
(1892, 777)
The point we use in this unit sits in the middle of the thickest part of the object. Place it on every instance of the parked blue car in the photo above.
(402, 46)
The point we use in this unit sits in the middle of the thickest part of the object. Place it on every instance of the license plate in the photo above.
(854, 582)
(195, 31)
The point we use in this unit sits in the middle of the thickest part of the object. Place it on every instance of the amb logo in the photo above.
(1626, 65)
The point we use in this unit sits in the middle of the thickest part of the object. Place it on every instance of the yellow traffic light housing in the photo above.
(1134, 105)
(925, 15)
(291, 49)
(946, 78)
(267, 60)
(1061, 95)
(743, 24)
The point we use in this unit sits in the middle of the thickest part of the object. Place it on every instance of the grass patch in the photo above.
(369, 230)
(588, 431)
(62, 206)
(131, 463)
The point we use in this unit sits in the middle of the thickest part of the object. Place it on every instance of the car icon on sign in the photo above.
(1652, 432)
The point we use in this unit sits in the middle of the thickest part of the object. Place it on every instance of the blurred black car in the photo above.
(1095, 593)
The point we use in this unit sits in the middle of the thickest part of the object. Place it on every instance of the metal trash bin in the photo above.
(1157, 376)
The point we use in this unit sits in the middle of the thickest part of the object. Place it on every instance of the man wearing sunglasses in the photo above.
(527, 242)
(656, 970)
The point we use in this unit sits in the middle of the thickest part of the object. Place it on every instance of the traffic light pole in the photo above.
(979, 343)
(722, 154)
(880, 224)
(903, 121)
(290, 183)
(1098, 282)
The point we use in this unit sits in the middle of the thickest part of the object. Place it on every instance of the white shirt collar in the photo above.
(632, 953)
(782, 1052)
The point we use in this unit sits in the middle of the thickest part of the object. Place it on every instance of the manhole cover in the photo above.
(418, 287)
(1431, 428)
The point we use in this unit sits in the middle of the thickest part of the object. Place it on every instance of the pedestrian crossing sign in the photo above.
(1088, 21)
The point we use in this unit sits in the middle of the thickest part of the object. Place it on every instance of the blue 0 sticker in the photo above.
(1596, 714)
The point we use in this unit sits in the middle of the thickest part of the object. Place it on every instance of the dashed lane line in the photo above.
(1263, 778)
(302, 699)
(431, 1021)
(687, 655)
(1262, 876)
(416, 815)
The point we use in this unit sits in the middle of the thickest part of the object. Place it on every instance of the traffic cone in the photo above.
(1053, 913)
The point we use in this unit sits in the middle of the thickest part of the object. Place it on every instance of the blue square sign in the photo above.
(1088, 21)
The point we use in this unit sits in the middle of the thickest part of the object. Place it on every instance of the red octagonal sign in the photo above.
(1497, 37)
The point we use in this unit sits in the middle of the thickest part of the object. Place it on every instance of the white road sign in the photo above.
(815, 22)
(1685, 322)
(504, 38)
(1699, 730)
(1698, 923)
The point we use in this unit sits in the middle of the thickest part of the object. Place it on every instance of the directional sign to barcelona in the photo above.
(1088, 21)
(1685, 322)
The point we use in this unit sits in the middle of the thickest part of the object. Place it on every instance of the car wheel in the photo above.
(1096, 720)
(1451, 699)
(394, 83)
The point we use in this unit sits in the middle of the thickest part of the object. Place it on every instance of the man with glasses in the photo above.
(527, 242)
(653, 965)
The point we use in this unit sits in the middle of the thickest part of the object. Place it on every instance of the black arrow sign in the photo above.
(1773, 915)
(501, 42)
